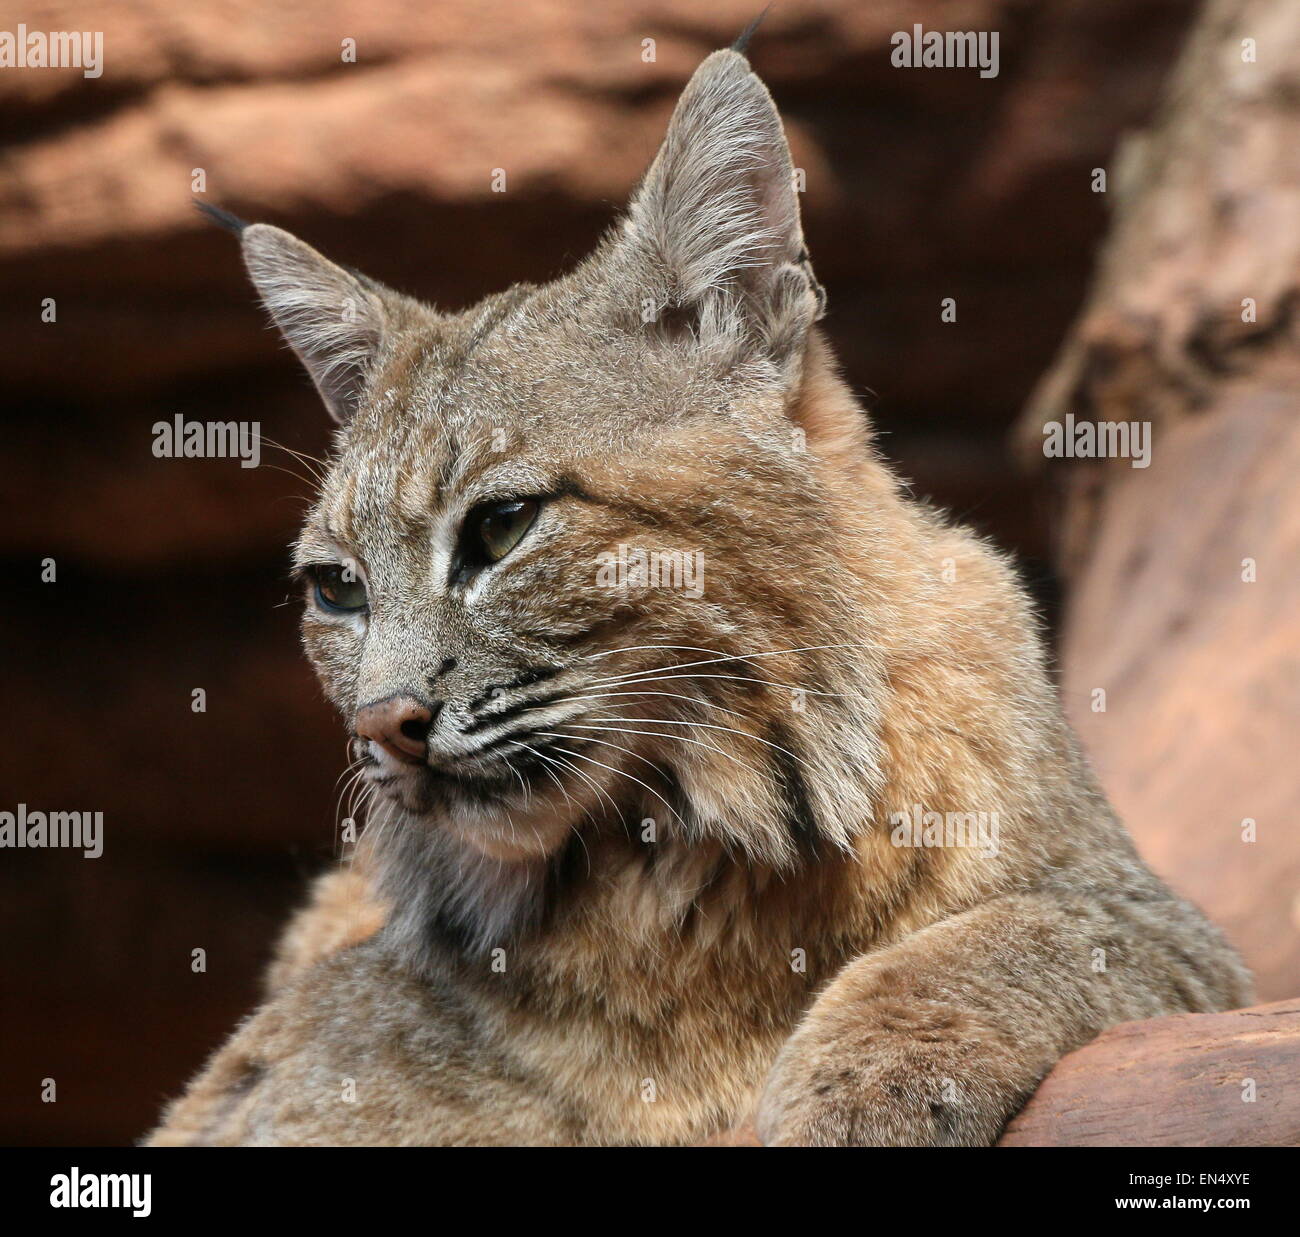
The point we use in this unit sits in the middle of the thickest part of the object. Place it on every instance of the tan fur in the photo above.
(552, 970)
(344, 910)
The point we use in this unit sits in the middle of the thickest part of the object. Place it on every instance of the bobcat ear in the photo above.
(717, 214)
(332, 319)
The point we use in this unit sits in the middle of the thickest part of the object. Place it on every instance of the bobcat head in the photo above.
(593, 559)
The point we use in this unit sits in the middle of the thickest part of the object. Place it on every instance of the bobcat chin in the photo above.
(643, 858)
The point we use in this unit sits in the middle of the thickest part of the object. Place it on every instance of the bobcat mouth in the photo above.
(502, 772)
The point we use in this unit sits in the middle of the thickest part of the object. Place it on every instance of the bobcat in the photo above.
(644, 862)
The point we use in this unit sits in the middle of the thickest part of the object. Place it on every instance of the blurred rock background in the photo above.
(921, 185)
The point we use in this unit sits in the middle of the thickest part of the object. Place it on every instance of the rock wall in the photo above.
(1185, 575)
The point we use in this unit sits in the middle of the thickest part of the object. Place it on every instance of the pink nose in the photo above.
(400, 725)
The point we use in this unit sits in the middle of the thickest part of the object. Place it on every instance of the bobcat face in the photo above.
(474, 553)
(575, 558)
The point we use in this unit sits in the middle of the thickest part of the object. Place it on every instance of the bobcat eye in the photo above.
(498, 527)
(338, 588)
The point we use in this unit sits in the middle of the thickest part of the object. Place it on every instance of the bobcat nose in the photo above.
(400, 725)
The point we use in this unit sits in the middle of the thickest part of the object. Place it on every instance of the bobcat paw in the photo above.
(923, 1078)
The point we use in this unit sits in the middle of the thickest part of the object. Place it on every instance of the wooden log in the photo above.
(1194, 1080)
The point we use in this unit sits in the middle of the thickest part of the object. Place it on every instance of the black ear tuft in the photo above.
(742, 41)
(222, 218)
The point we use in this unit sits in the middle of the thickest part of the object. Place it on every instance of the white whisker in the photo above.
(621, 772)
(680, 738)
